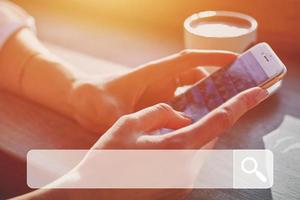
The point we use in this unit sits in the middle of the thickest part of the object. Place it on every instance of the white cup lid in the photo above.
(247, 23)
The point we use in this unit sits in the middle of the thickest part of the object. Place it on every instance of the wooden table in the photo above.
(275, 125)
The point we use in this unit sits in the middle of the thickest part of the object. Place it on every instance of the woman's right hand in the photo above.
(134, 131)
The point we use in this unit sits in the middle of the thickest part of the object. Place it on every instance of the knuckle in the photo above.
(246, 101)
(164, 107)
(127, 121)
(225, 117)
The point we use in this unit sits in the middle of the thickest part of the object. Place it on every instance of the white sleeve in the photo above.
(12, 18)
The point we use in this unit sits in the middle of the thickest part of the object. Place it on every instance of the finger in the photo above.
(190, 77)
(163, 91)
(180, 62)
(154, 118)
(216, 122)
(186, 78)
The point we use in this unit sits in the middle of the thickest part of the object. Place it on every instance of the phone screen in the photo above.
(206, 95)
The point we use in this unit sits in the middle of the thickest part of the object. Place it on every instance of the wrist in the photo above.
(84, 102)
(93, 106)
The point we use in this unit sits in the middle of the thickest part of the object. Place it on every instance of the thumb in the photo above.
(156, 117)
(217, 121)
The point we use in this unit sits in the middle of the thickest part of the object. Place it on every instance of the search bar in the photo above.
(150, 168)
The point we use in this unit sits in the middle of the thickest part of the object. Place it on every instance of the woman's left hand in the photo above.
(97, 105)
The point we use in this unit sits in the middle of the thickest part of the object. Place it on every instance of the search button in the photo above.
(252, 170)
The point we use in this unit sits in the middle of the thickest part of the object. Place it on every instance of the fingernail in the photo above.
(262, 95)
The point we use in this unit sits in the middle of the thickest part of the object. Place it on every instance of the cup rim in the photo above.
(220, 13)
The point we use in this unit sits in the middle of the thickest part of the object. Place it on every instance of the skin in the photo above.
(126, 107)
(28, 69)
(134, 131)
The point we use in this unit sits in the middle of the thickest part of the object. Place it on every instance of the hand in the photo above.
(134, 131)
(97, 105)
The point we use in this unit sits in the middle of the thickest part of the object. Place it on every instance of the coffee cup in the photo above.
(220, 30)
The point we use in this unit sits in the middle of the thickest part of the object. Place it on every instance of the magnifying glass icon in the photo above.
(250, 160)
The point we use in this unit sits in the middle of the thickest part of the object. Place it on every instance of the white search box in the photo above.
(151, 168)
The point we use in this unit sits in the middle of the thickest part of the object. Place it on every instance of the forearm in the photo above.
(45, 80)
(29, 70)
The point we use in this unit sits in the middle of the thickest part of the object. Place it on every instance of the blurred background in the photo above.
(131, 32)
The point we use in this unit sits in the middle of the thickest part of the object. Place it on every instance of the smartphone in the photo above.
(258, 66)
